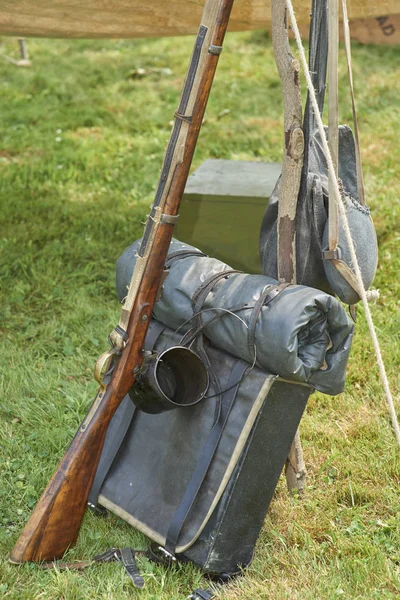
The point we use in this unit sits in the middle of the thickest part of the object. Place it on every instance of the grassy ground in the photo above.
(81, 147)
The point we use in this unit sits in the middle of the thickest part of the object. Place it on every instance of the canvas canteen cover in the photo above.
(312, 205)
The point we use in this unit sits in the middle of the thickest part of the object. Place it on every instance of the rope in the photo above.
(346, 227)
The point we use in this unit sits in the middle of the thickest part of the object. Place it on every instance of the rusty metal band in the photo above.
(216, 50)
(169, 219)
(186, 118)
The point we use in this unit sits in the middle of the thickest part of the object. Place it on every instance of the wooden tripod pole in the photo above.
(289, 186)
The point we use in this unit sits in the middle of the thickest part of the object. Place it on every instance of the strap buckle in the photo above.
(107, 556)
(331, 254)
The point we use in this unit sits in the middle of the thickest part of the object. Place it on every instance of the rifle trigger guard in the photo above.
(100, 376)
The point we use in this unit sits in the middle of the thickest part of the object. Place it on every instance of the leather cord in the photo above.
(199, 297)
(174, 256)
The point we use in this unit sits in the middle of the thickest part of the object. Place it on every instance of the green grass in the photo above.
(81, 148)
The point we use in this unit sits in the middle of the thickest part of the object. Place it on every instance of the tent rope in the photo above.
(356, 267)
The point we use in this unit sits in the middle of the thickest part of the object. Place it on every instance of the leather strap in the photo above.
(202, 292)
(333, 120)
(153, 333)
(198, 300)
(127, 557)
(201, 594)
(204, 461)
(318, 56)
(266, 296)
(199, 297)
(269, 293)
(347, 45)
(115, 435)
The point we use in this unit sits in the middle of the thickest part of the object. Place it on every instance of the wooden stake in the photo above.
(288, 69)
(24, 60)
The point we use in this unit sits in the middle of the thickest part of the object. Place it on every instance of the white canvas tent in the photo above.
(157, 18)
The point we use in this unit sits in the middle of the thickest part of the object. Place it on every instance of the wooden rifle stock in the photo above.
(55, 522)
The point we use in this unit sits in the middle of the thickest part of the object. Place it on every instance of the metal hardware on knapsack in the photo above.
(161, 554)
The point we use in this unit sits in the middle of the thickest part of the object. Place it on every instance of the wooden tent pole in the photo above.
(289, 186)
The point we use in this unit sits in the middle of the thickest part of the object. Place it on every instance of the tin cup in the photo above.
(174, 378)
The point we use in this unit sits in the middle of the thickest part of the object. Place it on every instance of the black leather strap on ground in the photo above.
(127, 557)
(205, 459)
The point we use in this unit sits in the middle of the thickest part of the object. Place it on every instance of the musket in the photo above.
(55, 522)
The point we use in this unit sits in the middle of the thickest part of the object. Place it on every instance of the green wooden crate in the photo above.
(222, 210)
